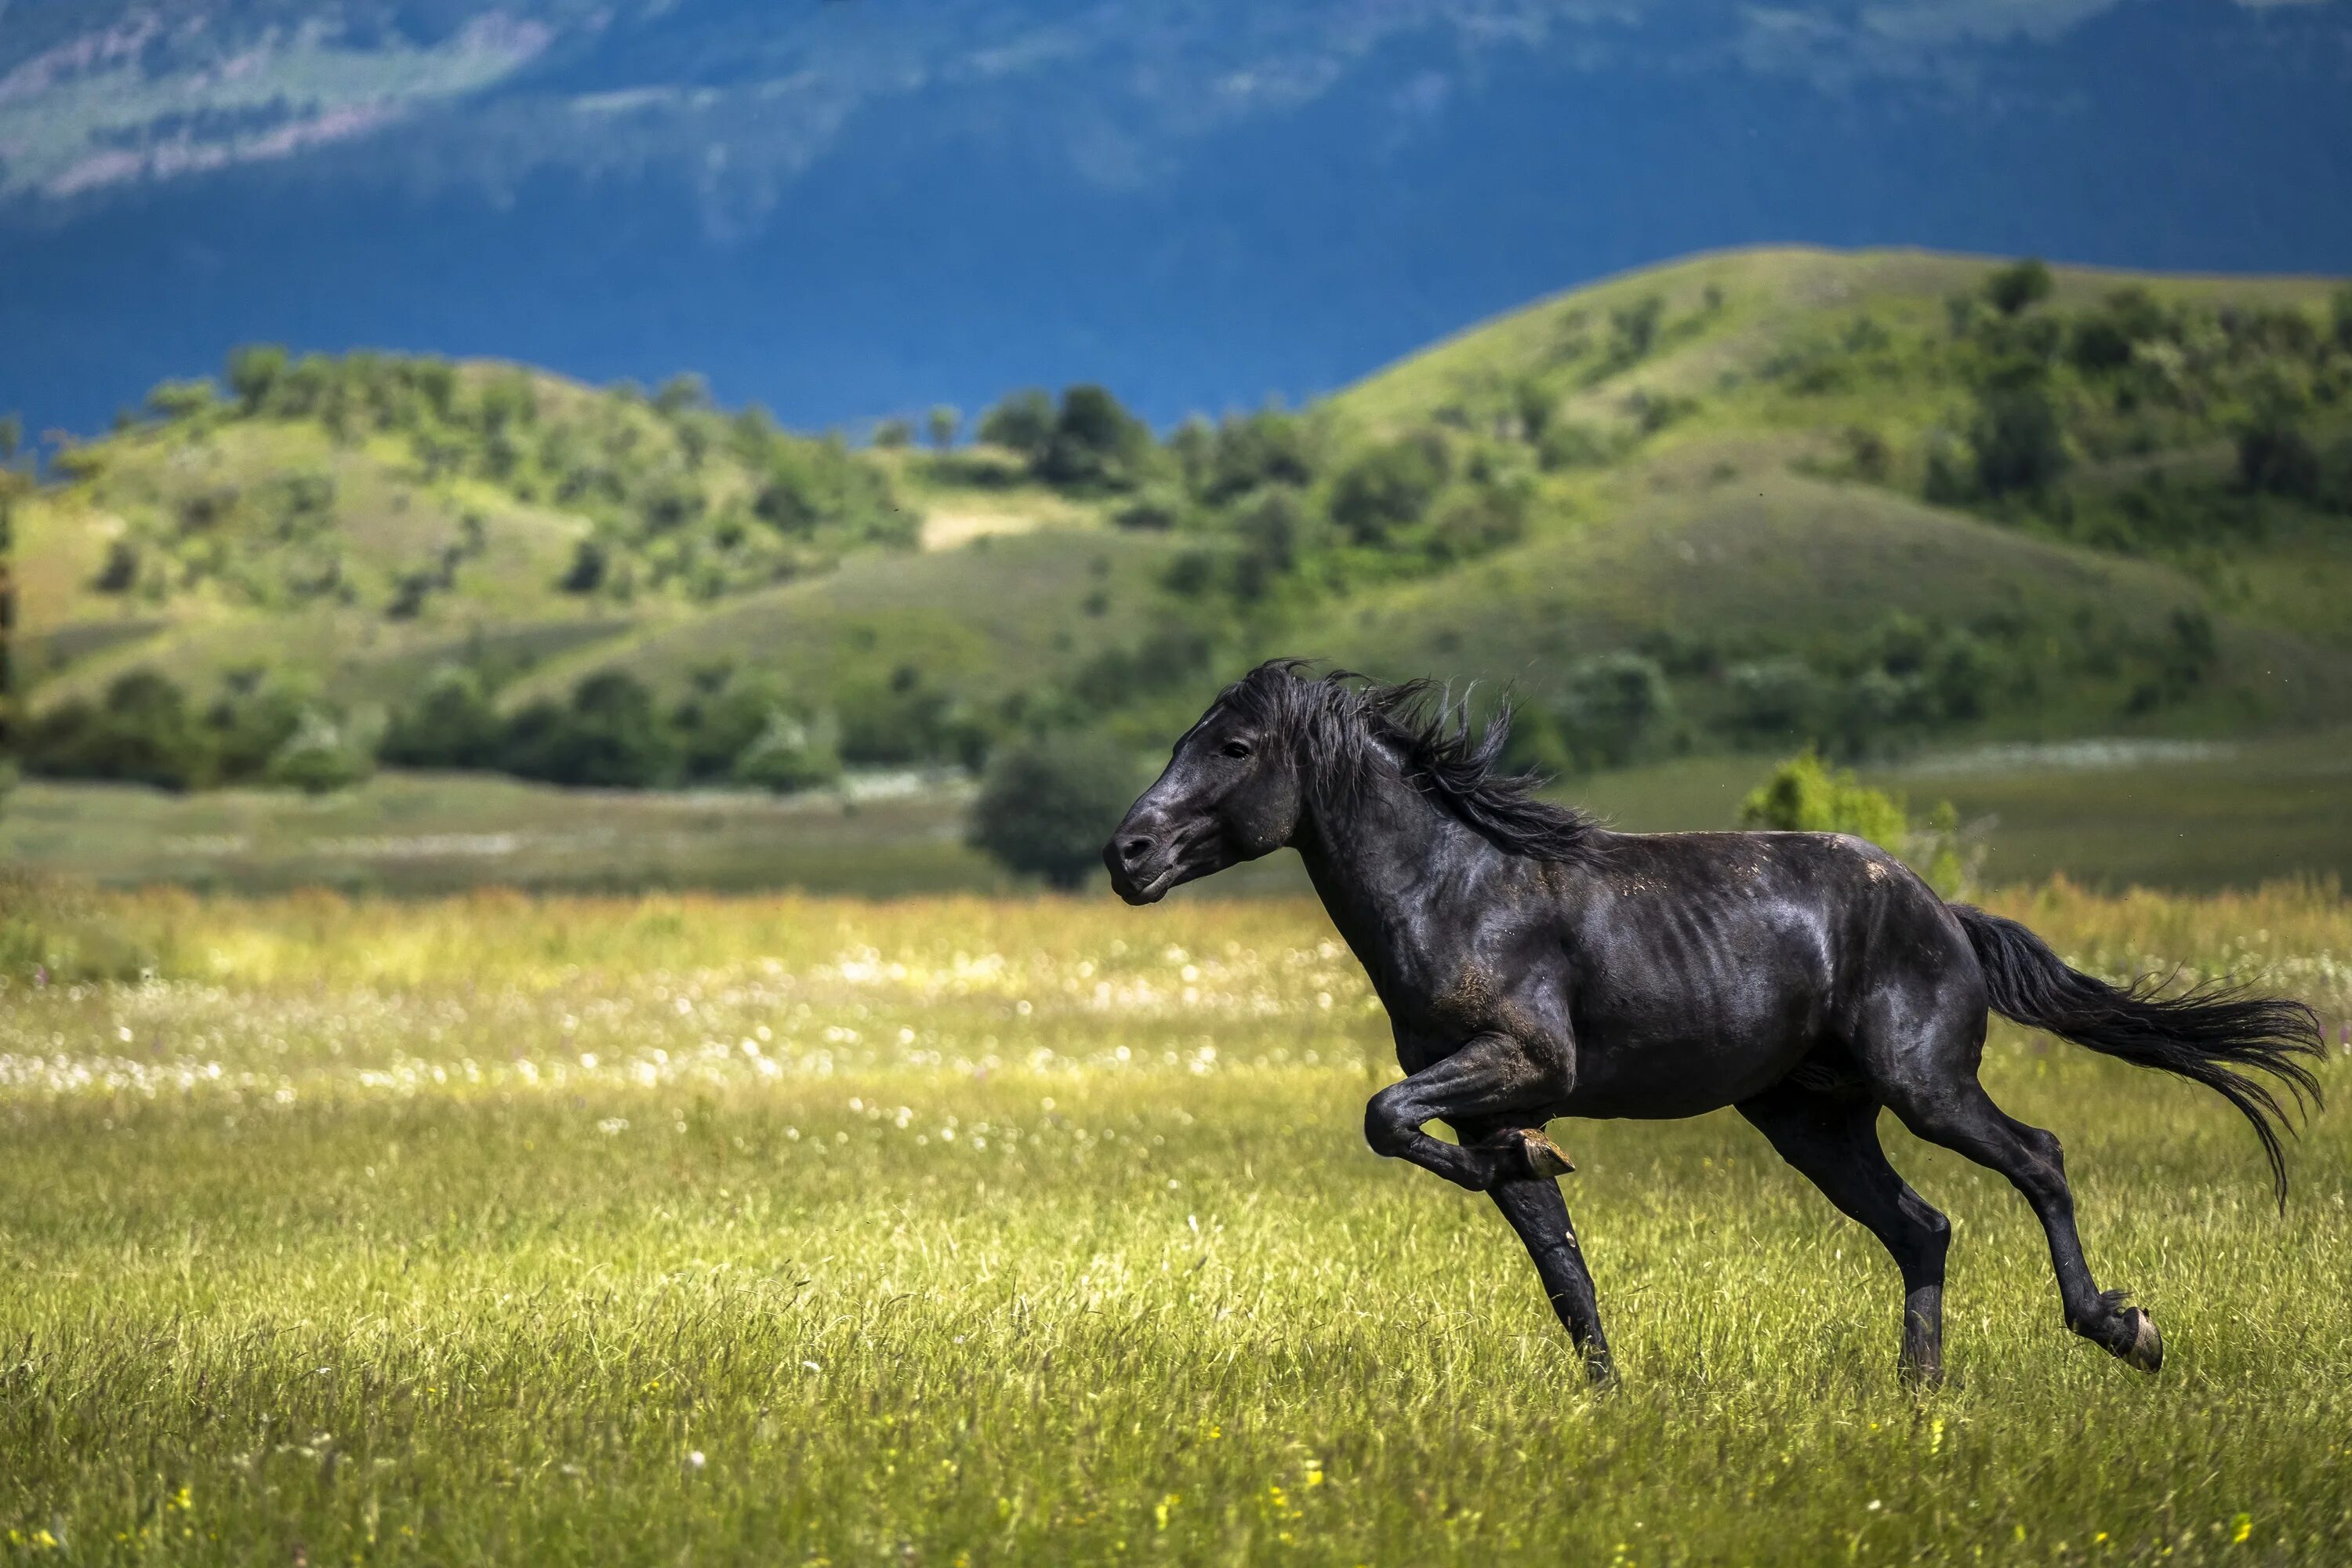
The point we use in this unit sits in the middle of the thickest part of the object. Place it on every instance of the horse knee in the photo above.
(2043, 1145)
(1931, 1236)
(1389, 1122)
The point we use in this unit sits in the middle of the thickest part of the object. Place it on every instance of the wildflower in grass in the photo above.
(2239, 1528)
(694, 1459)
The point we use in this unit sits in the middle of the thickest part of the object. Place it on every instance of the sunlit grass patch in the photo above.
(784, 1229)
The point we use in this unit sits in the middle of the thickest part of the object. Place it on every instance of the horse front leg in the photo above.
(1494, 1093)
(1493, 1083)
(1540, 1215)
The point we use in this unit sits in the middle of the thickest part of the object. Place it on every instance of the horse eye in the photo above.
(1237, 748)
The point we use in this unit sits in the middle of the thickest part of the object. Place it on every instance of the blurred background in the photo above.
(839, 445)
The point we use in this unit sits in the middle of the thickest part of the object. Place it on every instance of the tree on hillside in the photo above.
(253, 373)
(684, 392)
(182, 399)
(2019, 443)
(790, 753)
(320, 756)
(1633, 330)
(142, 732)
(941, 423)
(1388, 487)
(892, 433)
(2015, 288)
(609, 736)
(1094, 441)
(451, 725)
(1613, 708)
(1047, 806)
(1022, 422)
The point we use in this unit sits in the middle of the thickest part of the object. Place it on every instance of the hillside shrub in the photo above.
(452, 724)
(1614, 709)
(141, 733)
(1803, 795)
(608, 736)
(1047, 806)
(248, 724)
(1020, 422)
(790, 754)
(2019, 445)
(2018, 286)
(320, 756)
(1094, 442)
(1389, 488)
(907, 720)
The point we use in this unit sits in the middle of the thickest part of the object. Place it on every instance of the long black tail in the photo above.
(2209, 1032)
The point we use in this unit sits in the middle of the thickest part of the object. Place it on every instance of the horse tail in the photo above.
(2211, 1033)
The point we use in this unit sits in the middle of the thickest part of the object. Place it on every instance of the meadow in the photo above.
(957, 1230)
(2196, 816)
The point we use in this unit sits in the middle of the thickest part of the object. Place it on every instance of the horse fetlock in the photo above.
(1544, 1157)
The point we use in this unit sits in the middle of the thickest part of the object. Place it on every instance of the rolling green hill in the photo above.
(1874, 499)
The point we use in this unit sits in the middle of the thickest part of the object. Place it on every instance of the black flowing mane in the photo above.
(1342, 722)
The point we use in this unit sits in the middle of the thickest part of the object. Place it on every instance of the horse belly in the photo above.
(1661, 1069)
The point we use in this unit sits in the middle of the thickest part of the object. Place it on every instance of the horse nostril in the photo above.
(1134, 849)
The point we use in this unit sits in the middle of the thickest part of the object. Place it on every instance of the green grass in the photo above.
(427, 832)
(2184, 816)
(935, 1232)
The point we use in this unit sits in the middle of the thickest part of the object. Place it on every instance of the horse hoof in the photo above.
(1544, 1156)
(2146, 1351)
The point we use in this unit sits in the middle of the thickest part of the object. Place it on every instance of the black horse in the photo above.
(1535, 965)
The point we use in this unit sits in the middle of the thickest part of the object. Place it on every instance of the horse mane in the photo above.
(1342, 722)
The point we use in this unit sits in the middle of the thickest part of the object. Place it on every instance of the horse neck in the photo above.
(1387, 867)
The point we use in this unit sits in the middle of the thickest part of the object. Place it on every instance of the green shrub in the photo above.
(1022, 422)
(2018, 286)
(790, 754)
(1802, 795)
(1094, 441)
(247, 725)
(142, 733)
(609, 736)
(1568, 445)
(907, 720)
(452, 724)
(1046, 806)
(1615, 707)
(2019, 445)
(1389, 488)
(320, 756)
(255, 371)
(1776, 699)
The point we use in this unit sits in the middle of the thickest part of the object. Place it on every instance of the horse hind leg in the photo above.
(1832, 1139)
(1963, 1118)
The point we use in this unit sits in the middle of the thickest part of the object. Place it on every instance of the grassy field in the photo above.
(2183, 816)
(955, 1230)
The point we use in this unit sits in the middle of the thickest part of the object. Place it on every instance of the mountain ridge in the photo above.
(1047, 222)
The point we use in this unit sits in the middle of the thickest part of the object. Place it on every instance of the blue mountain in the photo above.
(856, 208)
